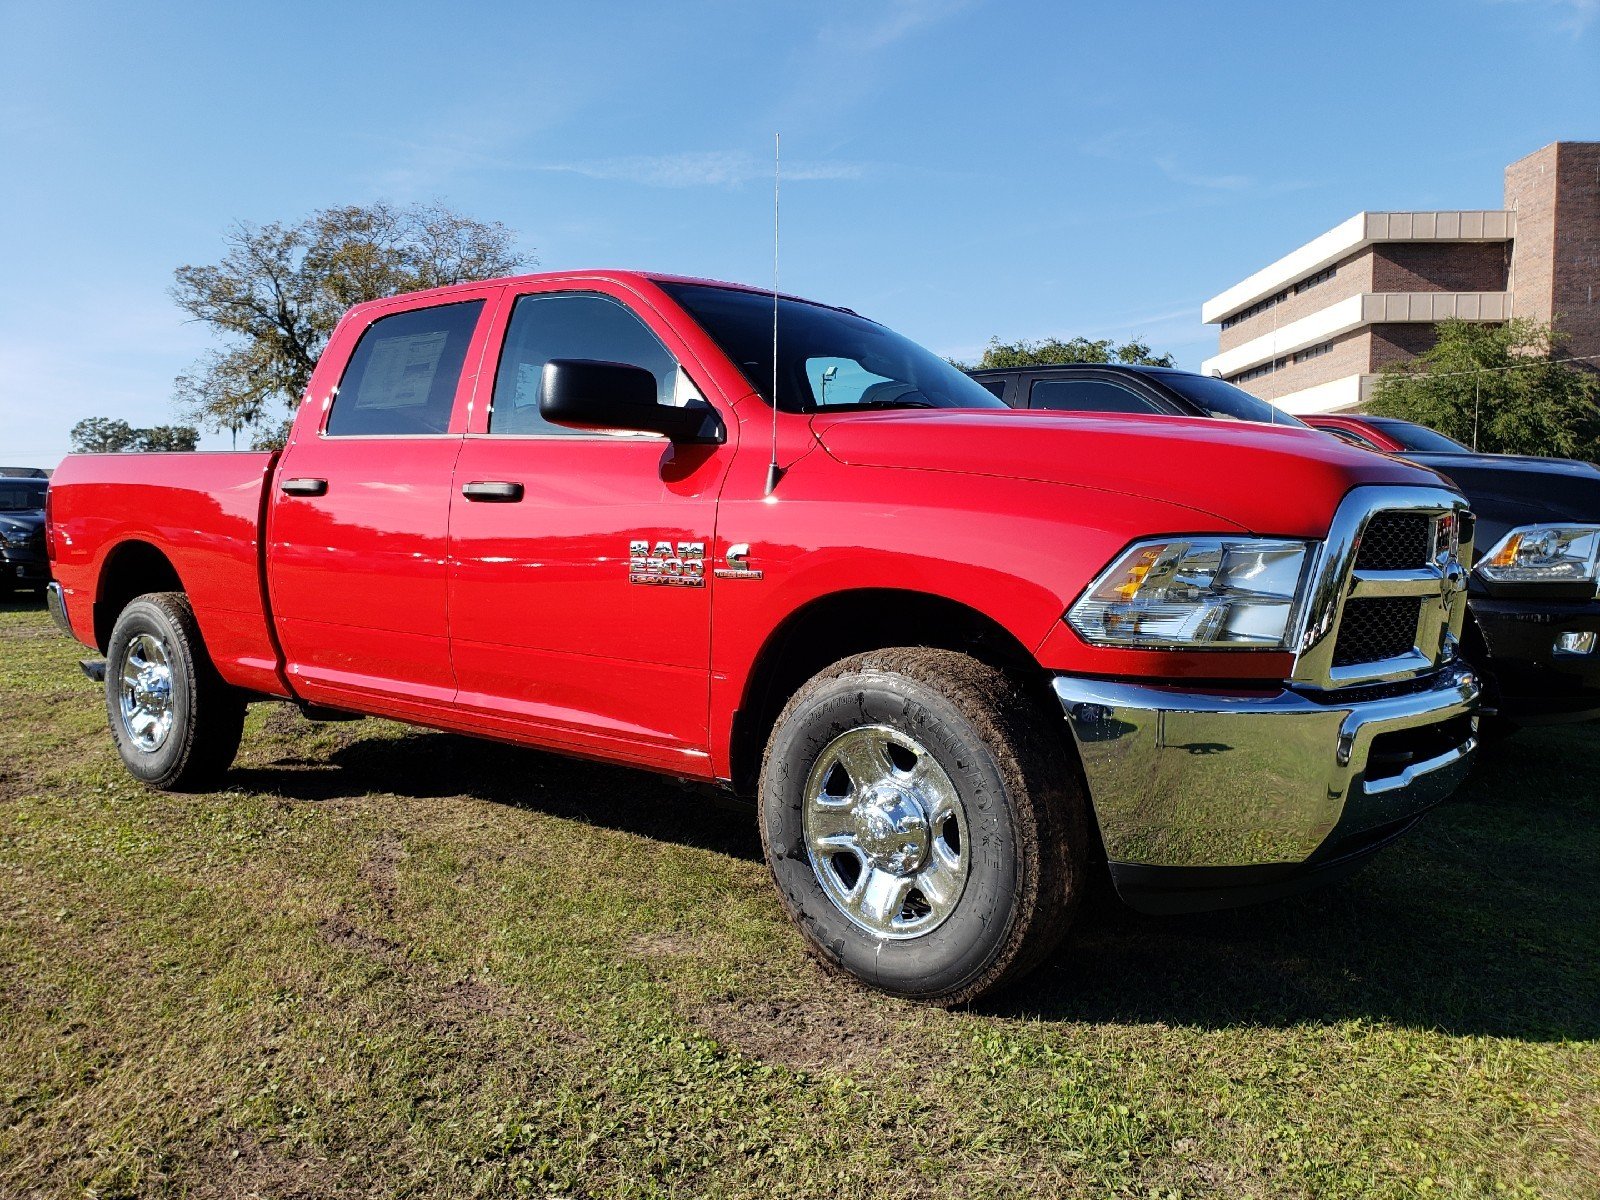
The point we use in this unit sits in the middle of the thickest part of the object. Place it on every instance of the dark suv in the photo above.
(23, 562)
(1533, 616)
(1097, 387)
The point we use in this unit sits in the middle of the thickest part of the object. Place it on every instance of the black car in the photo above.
(1533, 628)
(23, 562)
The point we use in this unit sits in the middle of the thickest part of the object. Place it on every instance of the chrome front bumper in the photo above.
(1191, 779)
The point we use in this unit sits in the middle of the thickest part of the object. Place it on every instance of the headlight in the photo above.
(1544, 554)
(14, 536)
(1197, 593)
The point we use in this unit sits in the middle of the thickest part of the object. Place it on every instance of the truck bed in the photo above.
(202, 513)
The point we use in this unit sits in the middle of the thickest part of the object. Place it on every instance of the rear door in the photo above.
(359, 527)
(580, 586)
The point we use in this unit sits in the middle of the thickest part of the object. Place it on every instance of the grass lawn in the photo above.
(400, 963)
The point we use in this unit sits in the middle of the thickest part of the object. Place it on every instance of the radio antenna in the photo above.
(774, 471)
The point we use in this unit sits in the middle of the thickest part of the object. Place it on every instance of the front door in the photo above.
(359, 526)
(580, 590)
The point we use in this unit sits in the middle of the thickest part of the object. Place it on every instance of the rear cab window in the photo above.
(402, 377)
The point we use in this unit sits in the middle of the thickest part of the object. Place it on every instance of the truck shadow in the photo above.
(1484, 921)
(424, 765)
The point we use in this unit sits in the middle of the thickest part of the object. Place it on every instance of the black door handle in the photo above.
(304, 487)
(491, 491)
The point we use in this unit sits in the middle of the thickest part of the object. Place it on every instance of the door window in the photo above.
(1088, 395)
(403, 375)
(573, 325)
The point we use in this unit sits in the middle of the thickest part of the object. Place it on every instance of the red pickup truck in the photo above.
(961, 654)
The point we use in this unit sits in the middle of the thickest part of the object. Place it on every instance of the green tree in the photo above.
(279, 290)
(110, 435)
(169, 437)
(1498, 388)
(1048, 352)
(103, 435)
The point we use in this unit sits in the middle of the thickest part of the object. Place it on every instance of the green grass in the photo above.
(392, 962)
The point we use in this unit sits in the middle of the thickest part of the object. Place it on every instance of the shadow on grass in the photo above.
(1484, 920)
(442, 764)
(22, 602)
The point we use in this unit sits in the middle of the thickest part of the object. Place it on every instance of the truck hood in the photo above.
(1267, 479)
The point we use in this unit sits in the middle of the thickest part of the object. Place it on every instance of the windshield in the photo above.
(828, 360)
(18, 495)
(1218, 398)
(1419, 437)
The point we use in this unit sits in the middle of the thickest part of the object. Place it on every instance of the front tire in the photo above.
(175, 722)
(924, 824)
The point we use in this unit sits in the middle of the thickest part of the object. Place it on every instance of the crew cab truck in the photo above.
(960, 654)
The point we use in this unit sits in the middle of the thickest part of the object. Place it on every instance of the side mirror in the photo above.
(584, 394)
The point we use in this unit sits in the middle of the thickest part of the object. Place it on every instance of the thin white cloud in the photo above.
(1216, 183)
(1571, 16)
(847, 61)
(904, 18)
(708, 168)
(1135, 146)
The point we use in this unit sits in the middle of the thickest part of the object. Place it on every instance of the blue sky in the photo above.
(954, 169)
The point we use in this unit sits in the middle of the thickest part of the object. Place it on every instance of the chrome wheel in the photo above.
(886, 832)
(145, 692)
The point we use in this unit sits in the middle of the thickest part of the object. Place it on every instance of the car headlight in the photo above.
(1211, 593)
(15, 536)
(1544, 554)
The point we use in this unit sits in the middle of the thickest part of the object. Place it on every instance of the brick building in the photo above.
(1311, 330)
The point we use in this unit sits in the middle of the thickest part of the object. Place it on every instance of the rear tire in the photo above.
(923, 821)
(175, 722)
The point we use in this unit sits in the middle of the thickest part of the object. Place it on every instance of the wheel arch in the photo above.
(839, 624)
(130, 569)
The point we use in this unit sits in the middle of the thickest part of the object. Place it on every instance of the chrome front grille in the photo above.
(1395, 541)
(1389, 591)
(1376, 629)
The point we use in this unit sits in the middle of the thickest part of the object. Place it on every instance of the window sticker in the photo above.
(527, 393)
(401, 371)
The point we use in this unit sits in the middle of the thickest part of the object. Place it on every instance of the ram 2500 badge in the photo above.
(960, 654)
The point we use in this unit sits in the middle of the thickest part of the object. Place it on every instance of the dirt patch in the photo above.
(467, 1000)
(247, 1169)
(284, 720)
(382, 868)
(662, 945)
(341, 931)
(32, 633)
(848, 1032)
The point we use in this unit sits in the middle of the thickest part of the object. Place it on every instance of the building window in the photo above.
(1261, 306)
(1311, 281)
(1311, 352)
(1266, 368)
